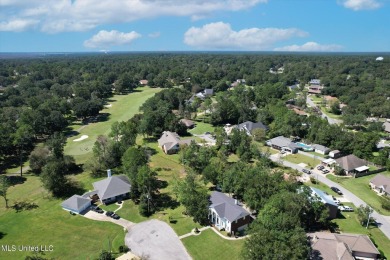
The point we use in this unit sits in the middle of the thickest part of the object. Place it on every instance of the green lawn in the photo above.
(123, 107)
(72, 237)
(300, 158)
(209, 245)
(348, 223)
(201, 128)
(323, 187)
(361, 188)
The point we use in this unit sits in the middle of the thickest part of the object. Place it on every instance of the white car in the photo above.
(348, 208)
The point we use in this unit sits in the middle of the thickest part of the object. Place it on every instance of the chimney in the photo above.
(108, 173)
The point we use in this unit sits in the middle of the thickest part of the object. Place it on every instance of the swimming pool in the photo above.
(305, 147)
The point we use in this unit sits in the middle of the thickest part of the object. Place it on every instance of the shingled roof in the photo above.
(226, 207)
(249, 126)
(350, 162)
(76, 202)
(381, 180)
(112, 186)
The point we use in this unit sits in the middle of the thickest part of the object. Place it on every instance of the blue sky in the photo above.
(192, 25)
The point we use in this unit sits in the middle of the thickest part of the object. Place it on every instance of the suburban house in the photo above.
(293, 87)
(297, 110)
(201, 95)
(381, 184)
(249, 126)
(112, 188)
(327, 200)
(315, 82)
(225, 213)
(386, 126)
(328, 162)
(170, 142)
(143, 82)
(314, 89)
(188, 123)
(282, 143)
(331, 246)
(76, 204)
(352, 164)
(320, 149)
(334, 154)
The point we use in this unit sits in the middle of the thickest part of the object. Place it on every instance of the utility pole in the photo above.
(368, 219)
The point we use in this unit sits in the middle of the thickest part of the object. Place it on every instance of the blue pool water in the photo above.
(305, 147)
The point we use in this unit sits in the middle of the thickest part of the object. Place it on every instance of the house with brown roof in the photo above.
(188, 123)
(170, 142)
(331, 246)
(381, 184)
(314, 89)
(143, 82)
(352, 164)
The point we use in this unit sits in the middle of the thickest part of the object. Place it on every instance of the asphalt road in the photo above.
(382, 221)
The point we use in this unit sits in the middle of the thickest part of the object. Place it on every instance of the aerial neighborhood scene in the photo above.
(222, 129)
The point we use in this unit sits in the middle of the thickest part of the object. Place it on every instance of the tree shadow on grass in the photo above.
(14, 180)
(165, 201)
(24, 205)
(2, 234)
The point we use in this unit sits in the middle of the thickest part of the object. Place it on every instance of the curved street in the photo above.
(323, 115)
(382, 221)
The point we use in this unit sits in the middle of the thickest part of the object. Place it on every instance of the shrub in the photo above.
(313, 180)
(124, 249)
(385, 203)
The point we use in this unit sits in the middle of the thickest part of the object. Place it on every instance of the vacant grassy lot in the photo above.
(323, 187)
(123, 107)
(201, 128)
(299, 158)
(349, 223)
(209, 245)
(73, 237)
(361, 188)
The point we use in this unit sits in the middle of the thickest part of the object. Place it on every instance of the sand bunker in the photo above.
(80, 138)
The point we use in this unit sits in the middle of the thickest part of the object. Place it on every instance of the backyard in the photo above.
(360, 187)
(299, 158)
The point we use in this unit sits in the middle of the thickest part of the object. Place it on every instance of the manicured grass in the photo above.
(122, 109)
(321, 156)
(201, 128)
(323, 187)
(360, 187)
(72, 237)
(299, 158)
(349, 223)
(209, 245)
(265, 149)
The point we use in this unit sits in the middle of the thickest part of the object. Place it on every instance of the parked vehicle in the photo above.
(320, 167)
(115, 216)
(325, 172)
(109, 213)
(337, 190)
(348, 208)
(306, 171)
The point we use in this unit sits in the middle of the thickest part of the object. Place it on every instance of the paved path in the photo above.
(155, 239)
(382, 221)
(192, 233)
(102, 217)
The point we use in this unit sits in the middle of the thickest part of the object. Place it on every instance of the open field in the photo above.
(72, 237)
(349, 223)
(123, 107)
(209, 245)
(361, 188)
(299, 158)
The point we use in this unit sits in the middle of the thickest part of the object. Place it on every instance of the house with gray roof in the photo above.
(249, 126)
(386, 127)
(352, 164)
(320, 149)
(226, 213)
(112, 188)
(170, 142)
(330, 246)
(76, 204)
(381, 184)
(282, 143)
(327, 200)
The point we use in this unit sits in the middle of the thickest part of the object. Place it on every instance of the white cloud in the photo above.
(221, 36)
(357, 5)
(105, 39)
(154, 34)
(80, 15)
(311, 47)
(17, 25)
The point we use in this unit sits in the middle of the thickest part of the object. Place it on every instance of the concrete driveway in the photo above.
(102, 217)
(155, 239)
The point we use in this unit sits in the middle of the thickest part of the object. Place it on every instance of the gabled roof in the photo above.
(76, 202)
(358, 243)
(282, 141)
(169, 140)
(208, 91)
(325, 198)
(226, 207)
(320, 147)
(350, 162)
(249, 126)
(187, 122)
(381, 181)
(112, 186)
